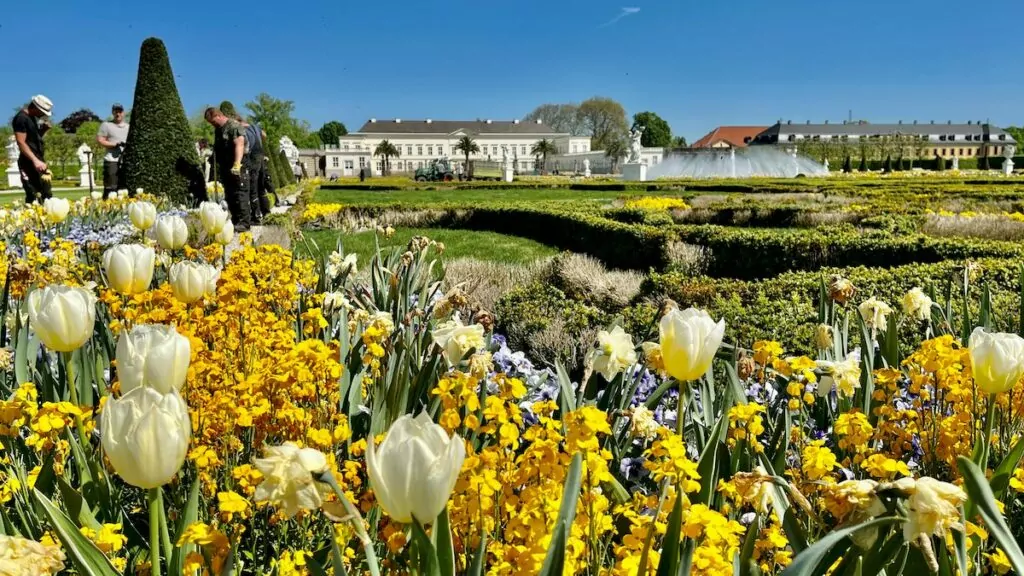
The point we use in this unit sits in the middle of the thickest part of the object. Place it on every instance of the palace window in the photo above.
(574, 148)
(419, 149)
(430, 150)
(522, 150)
(942, 137)
(398, 165)
(943, 151)
(419, 164)
(334, 161)
(348, 165)
(961, 152)
(1002, 136)
(453, 150)
(792, 138)
(345, 147)
(494, 150)
(408, 150)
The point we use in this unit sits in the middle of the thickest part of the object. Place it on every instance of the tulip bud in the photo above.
(213, 217)
(56, 209)
(62, 316)
(145, 435)
(152, 355)
(191, 281)
(171, 232)
(419, 447)
(689, 341)
(997, 360)
(96, 195)
(129, 267)
(142, 215)
(227, 232)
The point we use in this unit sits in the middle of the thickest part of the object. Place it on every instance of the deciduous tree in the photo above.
(604, 119)
(560, 117)
(331, 131)
(657, 132)
(72, 121)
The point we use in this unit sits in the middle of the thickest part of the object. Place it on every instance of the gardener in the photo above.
(112, 135)
(35, 176)
(259, 203)
(229, 151)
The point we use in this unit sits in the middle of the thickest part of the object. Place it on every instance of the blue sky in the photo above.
(697, 64)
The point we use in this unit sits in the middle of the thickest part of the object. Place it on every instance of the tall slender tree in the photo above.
(467, 146)
(387, 150)
(543, 148)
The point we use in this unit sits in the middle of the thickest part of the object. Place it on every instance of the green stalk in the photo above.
(165, 535)
(682, 405)
(990, 421)
(355, 519)
(69, 364)
(154, 531)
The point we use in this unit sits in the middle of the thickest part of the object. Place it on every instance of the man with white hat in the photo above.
(35, 176)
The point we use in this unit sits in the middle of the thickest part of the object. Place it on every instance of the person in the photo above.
(112, 135)
(297, 170)
(28, 134)
(362, 174)
(254, 156)
(229, 151)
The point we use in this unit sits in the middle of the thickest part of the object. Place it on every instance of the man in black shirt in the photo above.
(35, 176)
(229, 152)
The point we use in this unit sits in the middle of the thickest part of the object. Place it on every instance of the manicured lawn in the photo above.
(9, 196)
(458, 244)
(469, 197)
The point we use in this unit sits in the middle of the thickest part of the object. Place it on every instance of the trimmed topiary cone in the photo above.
(160, 155)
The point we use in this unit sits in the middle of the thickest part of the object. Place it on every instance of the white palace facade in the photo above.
(419, 141)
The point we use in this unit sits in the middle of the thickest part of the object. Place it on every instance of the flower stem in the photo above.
(682, 405)
(154, 531)
(990, 421)
(165, 535)
(355, 519)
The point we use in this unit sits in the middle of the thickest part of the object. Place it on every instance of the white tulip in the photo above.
(96, 195)
(171, 232)
(139, 191)
(689, 341)
(997, 360)
(212, 216)
(142, 214)
(122, 193)
(145, 435)
(615, 352)
(227, 232)
(62, 316)
(154, 356)
(191, 281)
(56, 209)
(457, 339)
(414, 470)
(129, 267)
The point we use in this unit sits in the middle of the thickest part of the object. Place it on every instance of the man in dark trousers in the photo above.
(229, 151)
(35, 176)
(112, 135)
(260, 204)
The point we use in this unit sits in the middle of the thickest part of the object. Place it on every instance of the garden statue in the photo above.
(586, 167)
(12, 151)
(956, 163)
(505, 158)
(290, 150)
(83, 153)
(826, 165)
(634, 145)
(13, 174)
(1008, 151)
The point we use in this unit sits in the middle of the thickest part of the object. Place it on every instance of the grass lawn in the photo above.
(458, 244)
(469, 197)
(9, 196)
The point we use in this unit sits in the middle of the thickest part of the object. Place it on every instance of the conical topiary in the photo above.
(863, 164)
(160, 154)
(286, 169)
(848, 164)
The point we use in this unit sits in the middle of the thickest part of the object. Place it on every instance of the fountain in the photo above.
(753, 161)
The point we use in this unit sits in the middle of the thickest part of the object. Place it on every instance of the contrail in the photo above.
(625, 12)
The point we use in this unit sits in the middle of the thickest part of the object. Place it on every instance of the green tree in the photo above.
(60, 149)
(287, 176)
(200, 127)
(604, 119)
(1017, 133)
(387, 150)
(275, 117)
(657, 132)
(160, 155)
(616, 150)
(940, 163)
(543, 148)
(72, 121)
(848, 164)
(888, 164)
(564, 118)
(863, 167)
(679, 142)
(331, 131)
(467, 146)
(984, 164)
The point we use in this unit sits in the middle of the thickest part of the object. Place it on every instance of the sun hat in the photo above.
(43, 104)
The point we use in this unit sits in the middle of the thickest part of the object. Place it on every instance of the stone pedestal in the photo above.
(508, 174)
(13, 177)
(586, 173)
(84, 177)
(1008, 167)
(634, 172)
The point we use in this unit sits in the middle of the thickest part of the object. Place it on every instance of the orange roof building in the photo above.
(729, 137)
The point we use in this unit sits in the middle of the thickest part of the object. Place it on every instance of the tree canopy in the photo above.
(72, 121)
(331, 131)
(275, 117)
(560, 117)
(656, 130)
(604, 119)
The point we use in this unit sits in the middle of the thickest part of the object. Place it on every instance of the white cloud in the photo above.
(626, 11)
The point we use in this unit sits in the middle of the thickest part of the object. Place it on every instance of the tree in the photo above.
(60, 148)
(616, 150)
(200, 127)
(848, 164)
(563, 118)
(467, 146)
(983, 164)
(72, 121)
(287, 176)
(1017, 133)
(940, 163)
(331, 131)
(863, 164)
(679, 142)
(542, 148)
(160, 155)
(657, 132)
(888, 164)
(604, 119)
(387, 150)
(275, 117)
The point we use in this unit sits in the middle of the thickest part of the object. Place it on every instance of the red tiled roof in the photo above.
(736, 136)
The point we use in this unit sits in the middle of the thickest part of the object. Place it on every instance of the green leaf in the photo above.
(176, 563)
(83, 554)
(476, 568)
(806, 563)
(567, 397)
(985, 315)
(554, 562)
(984, 502)
(337, 560)
(668, 565)
(747, 564)
(77, 507)
(880, 559)
(425, 550)
(1020, 310)
(1001, 475)
(442, 537)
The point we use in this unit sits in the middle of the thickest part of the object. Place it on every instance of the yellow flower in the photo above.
(19, 556)
(614, 353)
(288, 478)
(999, 562)
(231, 503)
(884, 468)
(108, 539)
(818, 460)
(933, 508)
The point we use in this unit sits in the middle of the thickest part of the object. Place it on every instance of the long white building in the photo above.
(419, 141)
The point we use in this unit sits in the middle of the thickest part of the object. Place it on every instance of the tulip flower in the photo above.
(615, 352)
(689, 341)
(213, 217)
(414, 470)
(129, 267)
(145, 435)
(997, 360)
(288, 481)
(56, 209)
(153, 356)
(62, 316)
(142, 215)
(226, 233)
(191, 281)
(96, 195)
(171, 232)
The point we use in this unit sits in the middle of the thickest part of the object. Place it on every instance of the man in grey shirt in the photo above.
(112, 135)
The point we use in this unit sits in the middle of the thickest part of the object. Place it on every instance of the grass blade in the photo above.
(985, 503)
(554, 562)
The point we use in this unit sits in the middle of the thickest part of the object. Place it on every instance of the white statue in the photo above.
(290, 150)
(83, 153)
(12, 150)
(634, 145)
(826, 165)
(956, 162)
(504, 154)
(586, 164)
(1009, 150)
